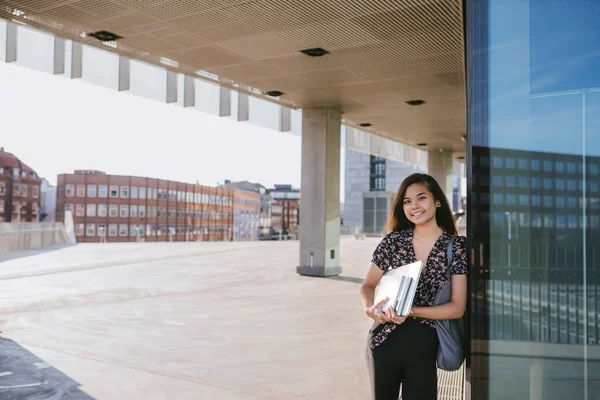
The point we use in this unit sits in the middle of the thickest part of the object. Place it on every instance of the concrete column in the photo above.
(59, 56)
(8, 45)
(243, 107)
(224, 102)
(440, 166)
(320, 193)
(124, 74)
(171, 87)
(285, 119)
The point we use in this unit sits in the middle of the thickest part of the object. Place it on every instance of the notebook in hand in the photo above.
(399, 286)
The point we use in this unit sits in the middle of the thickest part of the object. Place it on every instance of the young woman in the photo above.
(403, 350)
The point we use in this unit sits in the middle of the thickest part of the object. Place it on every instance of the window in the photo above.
(547, 166)
(572, 185)
(498, 198)
(80, 190)
(142, 229)
(594, 169)
(79, 229)
(523, 182)
(511, 181)
(80, 210)
(560, 202)
(1, 206)
(123, 230)
(594, 187)
(101, 229)
(124, 213)
(133, 211)
(536, 183)
(523, 164)
(132, 230)
(523, 200)
(548, 201)
(142, 211)
(112, 230)
(561, 221)
(35, 190)
(571, 168)
(511, 163)
(497, 180)
(572, 220)
(102, 210)
(572, 202)
(113, 210)
(511, 199)
(91, 191)
(114, 191)
(548, 183)
(134, 192)
(90, 230)
(142, 193)
(536, 201)
(124, 192)
(103, 191)
(560, 166)
(560, 184)
(91, 210)
(548, 220)
(68, 207)
(2, 188)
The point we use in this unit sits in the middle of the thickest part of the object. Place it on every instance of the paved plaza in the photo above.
(189, 320)
(182, 321)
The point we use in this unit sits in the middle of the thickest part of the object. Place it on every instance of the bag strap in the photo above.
(449, 252)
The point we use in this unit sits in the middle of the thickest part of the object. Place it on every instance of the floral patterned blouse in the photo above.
(396, 249)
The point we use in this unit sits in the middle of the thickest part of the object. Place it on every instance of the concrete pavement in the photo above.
(190, 320)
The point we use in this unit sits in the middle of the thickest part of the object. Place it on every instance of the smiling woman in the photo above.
(403, 350)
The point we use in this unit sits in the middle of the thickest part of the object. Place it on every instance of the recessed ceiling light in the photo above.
(316, 52)
(274, 93)
(105, 36)
(422, 144)
(415, 102)
(365, 124)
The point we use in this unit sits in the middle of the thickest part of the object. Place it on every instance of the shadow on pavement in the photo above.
(32, 252)
(351, 279)
(24, 376)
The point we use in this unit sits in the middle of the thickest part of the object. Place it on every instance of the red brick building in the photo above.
(19, 190)
(127, 208)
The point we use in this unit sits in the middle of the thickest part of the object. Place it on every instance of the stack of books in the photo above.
(399, 285)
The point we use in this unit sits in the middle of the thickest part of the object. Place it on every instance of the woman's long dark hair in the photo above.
(443, 215)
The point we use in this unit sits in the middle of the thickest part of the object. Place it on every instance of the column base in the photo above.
(319, 271)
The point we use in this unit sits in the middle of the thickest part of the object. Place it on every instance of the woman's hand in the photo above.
(376, 314)
(391, 314)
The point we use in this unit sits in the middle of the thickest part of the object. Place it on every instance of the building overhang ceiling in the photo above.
(381, 53)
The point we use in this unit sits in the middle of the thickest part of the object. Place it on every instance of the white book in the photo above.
(390, 285)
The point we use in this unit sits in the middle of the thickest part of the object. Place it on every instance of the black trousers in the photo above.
(408, 358)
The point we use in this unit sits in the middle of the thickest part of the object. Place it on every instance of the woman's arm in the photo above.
(455, 309)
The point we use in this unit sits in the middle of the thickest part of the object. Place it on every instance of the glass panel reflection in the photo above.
(535, 136)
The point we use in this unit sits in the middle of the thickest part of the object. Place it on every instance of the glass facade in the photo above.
(534, 204)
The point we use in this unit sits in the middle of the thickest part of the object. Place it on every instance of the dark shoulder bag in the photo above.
(450, 333)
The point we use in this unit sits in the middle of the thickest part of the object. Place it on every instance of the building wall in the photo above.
(357, 182)
(246, 215)
(22, 189)
(123, 208)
